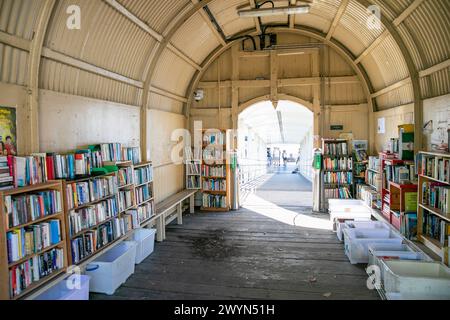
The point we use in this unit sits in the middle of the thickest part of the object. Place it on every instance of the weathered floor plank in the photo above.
(247, 255)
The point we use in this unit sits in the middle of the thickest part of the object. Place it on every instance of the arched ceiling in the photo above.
(125, 47)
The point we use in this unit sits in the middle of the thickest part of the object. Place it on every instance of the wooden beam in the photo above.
(370, 48)
(273, 77)
(279, 52)
(292, 16)
(234, 89)
(337, 18)
(60, 57)
(405, 14)
(124, 11)
(183, 56)
(288, 82)
(210, 24)
(14, 41)
(34, 62)
(256, 20)
(438, 67)
(168, 94)
(391, 87)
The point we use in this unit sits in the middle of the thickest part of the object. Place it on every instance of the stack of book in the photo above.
(215, 185)
(343, 163)
(125, 176)
(143, 175)
(6, 173)
(213, 171)
(401, 174)
(125, 200)
(436, 228)
(338, 193)
(29, 170)
(193, 182)
(83, 162)
(143, 194)
(144, 212)
(338, 177)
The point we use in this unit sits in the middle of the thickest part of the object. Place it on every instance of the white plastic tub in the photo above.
(364, 224)
(358, 240)
(145, 240)
(412, 280)
(109, 271)
(76, 287)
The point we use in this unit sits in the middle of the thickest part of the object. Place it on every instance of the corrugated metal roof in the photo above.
(112, 41)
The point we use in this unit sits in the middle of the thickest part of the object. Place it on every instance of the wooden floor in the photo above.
(246, 255)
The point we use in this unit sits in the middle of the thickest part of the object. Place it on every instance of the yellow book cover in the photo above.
(75, 196)
(410, 201)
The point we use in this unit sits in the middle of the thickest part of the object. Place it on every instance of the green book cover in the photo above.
(410, 201)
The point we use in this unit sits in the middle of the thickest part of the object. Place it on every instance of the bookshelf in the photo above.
(193, 170)
(337, 172)
(433, 215)
(144, 191)
(398, 203)
(43, 233)
(215, 172)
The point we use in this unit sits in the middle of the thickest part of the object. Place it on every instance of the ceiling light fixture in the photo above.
(273, 11)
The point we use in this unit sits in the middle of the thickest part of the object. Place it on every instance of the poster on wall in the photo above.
(381, 125)
(8, 142)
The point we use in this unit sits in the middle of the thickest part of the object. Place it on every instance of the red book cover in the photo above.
(11, 168)
(50, 168)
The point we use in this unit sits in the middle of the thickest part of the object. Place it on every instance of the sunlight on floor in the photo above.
(271, 210)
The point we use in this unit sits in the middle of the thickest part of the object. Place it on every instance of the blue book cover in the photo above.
(55, 233)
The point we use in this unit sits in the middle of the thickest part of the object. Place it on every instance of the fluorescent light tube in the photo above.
(273, 11)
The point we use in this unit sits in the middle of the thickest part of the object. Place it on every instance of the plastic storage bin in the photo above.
(358, 240)
(72, 288)
(364, 224)
(113, 268)
(145, 240)
(379, 251)
(341, 210)
(412, 280)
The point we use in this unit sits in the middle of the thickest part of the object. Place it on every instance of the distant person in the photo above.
(284, 156)
(269, 157)
(9, 148)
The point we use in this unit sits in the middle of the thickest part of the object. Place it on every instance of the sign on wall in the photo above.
(336, 127)
(8, 142)
(381, 125)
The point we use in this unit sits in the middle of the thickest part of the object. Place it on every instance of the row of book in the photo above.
(144, 212)
(368, 195)
(193, 182)
(360, 155)
(373, 179)
(214, 201)
(343, 163)
(132, 154)
(401, 174)
(111, 151)
(33, 239)
(125, 200)
(214, 171)
(436, 228)
(338, 193)
(84, 192)
(193, 168)
(214, 138)
(335, 148)
(374, 163)
(211, 155)
(31, 271)
(143, 193)
(408, 226)
(214, 185)
(25, 208)
(338, 177)
(143, 175)
(88, 217)
(436, 195)
(125, 176)
(434, 167)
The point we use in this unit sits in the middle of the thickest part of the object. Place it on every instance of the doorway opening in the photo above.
(275, 154)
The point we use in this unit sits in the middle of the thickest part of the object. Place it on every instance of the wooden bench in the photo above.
(165, 209)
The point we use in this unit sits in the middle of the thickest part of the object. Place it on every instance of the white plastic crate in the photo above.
(414, 280)
(112, 269)
(364, 224)
(76, 287)
(357, 242)
(145, 240)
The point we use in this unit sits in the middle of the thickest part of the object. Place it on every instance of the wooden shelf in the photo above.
(141, 165)
(218, 192)
(53, 184)
(130, 185)
(92, 228)
(143, 184)
(436, 212)
(433, 179)
(432, 244)
(144, 202)
(93, 202)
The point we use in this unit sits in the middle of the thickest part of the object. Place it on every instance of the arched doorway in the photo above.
(275, 143)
